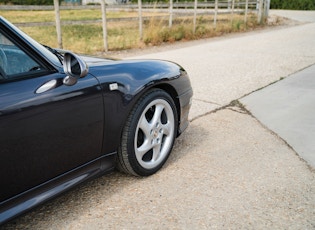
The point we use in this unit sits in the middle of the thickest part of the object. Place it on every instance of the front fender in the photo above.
(123, 83)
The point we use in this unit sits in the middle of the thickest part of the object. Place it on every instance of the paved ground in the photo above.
(287, 108)
(227, 68)
(242, 65)
(228, 170)
(301, 16)
(220, 176)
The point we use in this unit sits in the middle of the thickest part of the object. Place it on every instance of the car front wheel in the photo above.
(149, 134)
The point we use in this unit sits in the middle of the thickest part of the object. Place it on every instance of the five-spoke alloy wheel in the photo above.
(149, 134)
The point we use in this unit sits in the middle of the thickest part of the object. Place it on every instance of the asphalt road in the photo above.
(228, 170)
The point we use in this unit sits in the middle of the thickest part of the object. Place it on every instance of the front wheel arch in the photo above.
(172, 92)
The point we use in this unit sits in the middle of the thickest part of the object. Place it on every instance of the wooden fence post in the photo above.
(260, 11)
(170, 23)
(103, 5)
(232, 11)
(140, 19)
(215, 14)
(267, 7)
(195, 16)
(58, 24)
(246, 12)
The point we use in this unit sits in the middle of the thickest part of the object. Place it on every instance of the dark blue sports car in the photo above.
(66, 118)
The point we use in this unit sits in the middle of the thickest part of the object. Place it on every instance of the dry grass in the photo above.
(158, 31)
(22, 16)
(88, 38)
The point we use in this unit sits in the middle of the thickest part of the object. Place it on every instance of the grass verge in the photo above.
(88, 38)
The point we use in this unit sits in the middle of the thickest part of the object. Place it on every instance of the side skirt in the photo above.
(26, 201)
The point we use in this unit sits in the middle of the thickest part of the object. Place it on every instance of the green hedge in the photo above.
(293, 4)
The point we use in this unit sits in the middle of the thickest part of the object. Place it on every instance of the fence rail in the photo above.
(176, 5)
(204, 7)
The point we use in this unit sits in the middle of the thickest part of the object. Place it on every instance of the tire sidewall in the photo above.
(144, 102)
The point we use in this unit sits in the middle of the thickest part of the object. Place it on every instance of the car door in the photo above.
(46, 127)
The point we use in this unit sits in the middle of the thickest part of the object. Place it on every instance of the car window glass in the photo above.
(14, 62)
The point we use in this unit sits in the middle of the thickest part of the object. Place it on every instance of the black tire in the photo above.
(149, 134)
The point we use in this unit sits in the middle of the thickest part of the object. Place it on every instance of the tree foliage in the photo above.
(293, 4)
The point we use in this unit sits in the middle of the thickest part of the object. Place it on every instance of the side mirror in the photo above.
(74, 67)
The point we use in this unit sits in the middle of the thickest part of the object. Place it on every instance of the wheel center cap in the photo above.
(155, 133)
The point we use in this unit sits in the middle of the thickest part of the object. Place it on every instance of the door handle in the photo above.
(47, 86)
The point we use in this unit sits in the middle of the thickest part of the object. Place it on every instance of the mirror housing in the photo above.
(74, 67)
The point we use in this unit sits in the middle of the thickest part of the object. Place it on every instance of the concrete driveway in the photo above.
(228, 170)
(288, 108)
(227, 69)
